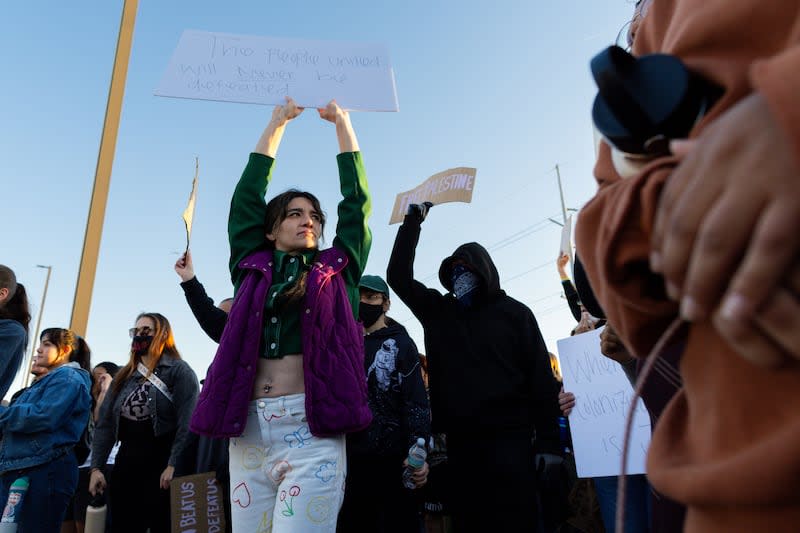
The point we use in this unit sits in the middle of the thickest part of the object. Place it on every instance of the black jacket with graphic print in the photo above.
(396, 394)
(489, 370)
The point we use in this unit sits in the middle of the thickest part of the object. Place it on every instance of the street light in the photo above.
(27, 379)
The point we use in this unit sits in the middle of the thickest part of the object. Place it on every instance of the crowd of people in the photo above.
(315, 396)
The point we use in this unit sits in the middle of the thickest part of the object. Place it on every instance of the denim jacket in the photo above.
(167, 415)
(46, 420)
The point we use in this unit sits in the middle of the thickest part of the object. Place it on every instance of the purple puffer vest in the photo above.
(333, 354)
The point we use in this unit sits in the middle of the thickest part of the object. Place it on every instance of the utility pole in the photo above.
(102, 177)
(28, 374)
(566, 240)
(563, 204)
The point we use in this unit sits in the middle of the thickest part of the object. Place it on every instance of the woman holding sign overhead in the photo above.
(288, 381)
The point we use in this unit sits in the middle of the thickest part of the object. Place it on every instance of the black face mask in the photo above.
(369, 313)
(141, 343)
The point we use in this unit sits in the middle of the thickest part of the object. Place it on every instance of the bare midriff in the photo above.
(279, 377)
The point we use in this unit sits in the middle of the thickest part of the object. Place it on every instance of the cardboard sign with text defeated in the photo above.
(452, 185)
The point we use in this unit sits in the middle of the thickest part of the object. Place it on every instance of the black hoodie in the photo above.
(489, 369)
(396, 392)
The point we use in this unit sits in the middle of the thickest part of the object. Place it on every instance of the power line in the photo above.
(551, 310)
(507, 280)
(509, 240)
(532, 181)
(529, 303)
(537, 267)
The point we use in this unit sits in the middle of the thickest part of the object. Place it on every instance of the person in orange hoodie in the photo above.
(708, 235)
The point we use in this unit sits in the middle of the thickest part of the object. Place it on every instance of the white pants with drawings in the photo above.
(283, 479)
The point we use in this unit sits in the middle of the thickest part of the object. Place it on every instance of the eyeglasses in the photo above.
(147, 330)
(624, 37)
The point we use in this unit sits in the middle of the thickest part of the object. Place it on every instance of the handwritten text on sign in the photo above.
(602, 398)
(196, 504)
(453, 185)
(264, 70)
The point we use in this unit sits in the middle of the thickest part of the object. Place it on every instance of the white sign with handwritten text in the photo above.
(264, 70)
(602, 398)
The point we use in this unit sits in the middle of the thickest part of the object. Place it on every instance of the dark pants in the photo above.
(493, 482)
(212, 456)
(51, 487)
(637, 502)
(204, 454)
(137, 501)
(76, 510)
(375, 499)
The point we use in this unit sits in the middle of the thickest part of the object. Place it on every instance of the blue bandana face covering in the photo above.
(465, 285)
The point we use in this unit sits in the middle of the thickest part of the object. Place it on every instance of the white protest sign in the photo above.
(602, 398)
(264, 70)
(451, 185)
(566, 237)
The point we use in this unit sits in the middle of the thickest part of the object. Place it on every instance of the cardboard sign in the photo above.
(188, 213)
(602, 399)
(452, 185)
(265, 70)
(196, 504)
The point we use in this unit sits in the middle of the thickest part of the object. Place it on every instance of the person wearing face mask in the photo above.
(492, 390)
(375, 498)
(147, 409)
(41, 428)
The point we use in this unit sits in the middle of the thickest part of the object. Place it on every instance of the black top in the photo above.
(573, 299)
(489, 368)
(397, 397)
(210, 317)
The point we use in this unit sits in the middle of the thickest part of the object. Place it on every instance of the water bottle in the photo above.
(96, 515)
(563, 433)
(16, 493)
(416, 458)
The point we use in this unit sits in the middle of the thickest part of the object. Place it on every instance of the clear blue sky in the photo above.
(503, 87)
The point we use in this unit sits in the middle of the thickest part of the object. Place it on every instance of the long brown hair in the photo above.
(163, 343)
(276, 212)
(278, 209)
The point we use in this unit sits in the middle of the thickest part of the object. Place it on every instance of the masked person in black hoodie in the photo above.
(492, 390)
(375, 499)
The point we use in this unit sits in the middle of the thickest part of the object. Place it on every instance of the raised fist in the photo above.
(419, 210)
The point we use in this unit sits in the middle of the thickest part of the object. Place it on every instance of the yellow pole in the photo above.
(102, 177)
